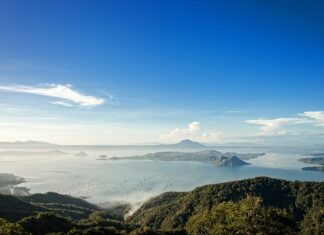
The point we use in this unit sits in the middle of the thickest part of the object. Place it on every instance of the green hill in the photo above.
(52, 197)
(254, 206)
(173, 210)
(16, 208)
(13, 208)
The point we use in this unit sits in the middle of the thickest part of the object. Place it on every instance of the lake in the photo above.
(135, 181)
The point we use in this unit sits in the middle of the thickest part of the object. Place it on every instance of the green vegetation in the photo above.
(254, 206)
(244, 217)
(7, 228)
(173, 210)
(44, 223)
(313, 223)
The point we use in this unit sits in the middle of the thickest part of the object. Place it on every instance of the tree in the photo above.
(244, 217)
(313, 223)
(7, 228)
(46, 222)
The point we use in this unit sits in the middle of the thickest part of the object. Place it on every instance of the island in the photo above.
(314, 168)
(80, 154)
(8, 184)
(319, 154)
(313, 160)
(210, 156)
(230, 161)
(102, 157)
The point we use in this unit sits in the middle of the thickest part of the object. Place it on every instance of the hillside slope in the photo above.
(253, 206)
(172, 210)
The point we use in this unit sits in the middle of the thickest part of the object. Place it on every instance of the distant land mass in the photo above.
(230, 161)
(7, 179)
(314, 154)
(80, 154)
(8, 185)
(32, 153)
(238, 144)
(186, 143)
(313, 160)
(314, 168)
(211, 156)
(102, 157)
(26, 143)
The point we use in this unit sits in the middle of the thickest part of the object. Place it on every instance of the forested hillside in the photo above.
(253, 206)
(173, 210)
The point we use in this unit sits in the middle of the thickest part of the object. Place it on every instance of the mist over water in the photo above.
(134, 181)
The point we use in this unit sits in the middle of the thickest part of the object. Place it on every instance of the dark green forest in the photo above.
(254, 206)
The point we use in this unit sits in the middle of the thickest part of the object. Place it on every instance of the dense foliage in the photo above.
(244, 217)
(7, 228)
(173, 210)
(254, 206)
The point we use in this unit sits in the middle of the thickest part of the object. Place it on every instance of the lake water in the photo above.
(136, 181)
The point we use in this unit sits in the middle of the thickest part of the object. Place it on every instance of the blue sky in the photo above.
(122, 72)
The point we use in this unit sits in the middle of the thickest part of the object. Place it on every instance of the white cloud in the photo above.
(64, 92)
(62, 103)
(193, 132)
(272, 127)
(317, 116)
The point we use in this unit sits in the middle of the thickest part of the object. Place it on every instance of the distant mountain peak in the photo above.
(190, 143)
(187, 141)
(27, 143)
(32, 142)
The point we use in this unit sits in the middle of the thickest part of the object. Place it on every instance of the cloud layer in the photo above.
(194, 132)
(65, 92)
(274, 127)
(317, 116)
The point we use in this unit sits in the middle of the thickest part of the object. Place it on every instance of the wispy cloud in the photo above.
(236, 111)
(317, 116)
(65, 92)
(62, 103)
(194, 132)
(272, 127)
(110, 98)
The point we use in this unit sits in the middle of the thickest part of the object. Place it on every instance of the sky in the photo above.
(144, 72)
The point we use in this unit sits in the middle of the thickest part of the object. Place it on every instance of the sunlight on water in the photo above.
(135, 181)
